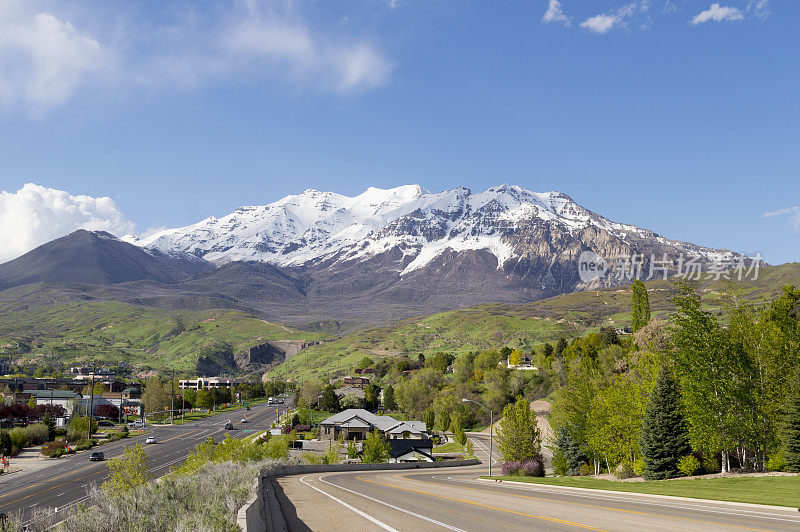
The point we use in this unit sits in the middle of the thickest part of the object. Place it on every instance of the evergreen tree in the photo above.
(329, 401)
(548, 350)
(570, 449)
(641, 306)
(388, 398)
(664, 439)
(561, 345)
(791, 428)
(429, 417)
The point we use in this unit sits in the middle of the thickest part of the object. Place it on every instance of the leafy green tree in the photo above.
(664, 438)
(204, 399)
(365, 363)
(791, 428)
(32, 402)
(548, 350)
(641, 305)
(616, 420)
(444, 419)
(518, 435)
(376, 450)
(440, 362)
(429, 418)
(458, 432)
(515, 358)
(127, 471)
(371, 400)
(156, 396)
(421, 360)
(388, 398)
(329, 401)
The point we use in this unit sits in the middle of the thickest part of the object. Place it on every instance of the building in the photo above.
(23, 384)
(63, 398)
(208, 382)
(411, 450)
(356, 423)
(356, 382)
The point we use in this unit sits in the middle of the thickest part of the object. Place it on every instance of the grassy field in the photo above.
(772, 490)
(452, 447)
(525, 326)
(119, 332)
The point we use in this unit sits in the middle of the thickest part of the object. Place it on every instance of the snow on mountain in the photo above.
(313, 226)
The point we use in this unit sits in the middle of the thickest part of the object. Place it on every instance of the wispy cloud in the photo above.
(717, 13)
(35, 214)
(48, 56)
(759, 8)
(605, 22)
(555, 13)
(792, 212)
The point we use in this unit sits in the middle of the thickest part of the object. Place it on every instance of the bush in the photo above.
(532, 467)
(5, 442)
(586, 470)
(777, 462)
(85, 445)
(624, 470)
(37, 434)
(638, 467)
(689, 465)
(52, 447)
(711, 464)
(19, 438)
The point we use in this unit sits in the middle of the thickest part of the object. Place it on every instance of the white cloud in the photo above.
(759, 8)
(792, 212)
(44, 60)
(34, 215)
(555, 13)
(605, 22)
(717, 13)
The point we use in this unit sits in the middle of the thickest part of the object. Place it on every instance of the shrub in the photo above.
(777, 462)
(5, 442)
(689, 465)
(559, 463)
(37, 434)
(586, 470)
(278, 448)
(638, 467)
(532, 467)
(19, 438)
(624, 470)
(311, 458)
(52, 447)
(352, 450)
(711, 464)
(509, 468)
(85, 445)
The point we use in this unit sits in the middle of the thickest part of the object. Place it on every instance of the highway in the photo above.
(66, 480)
(454, 499)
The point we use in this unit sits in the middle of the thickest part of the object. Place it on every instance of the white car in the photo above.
(150, 439)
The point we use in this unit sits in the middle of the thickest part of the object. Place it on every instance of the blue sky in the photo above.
(680, 116)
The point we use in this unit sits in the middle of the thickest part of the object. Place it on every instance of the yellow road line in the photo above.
(545, 518)
(590, 505)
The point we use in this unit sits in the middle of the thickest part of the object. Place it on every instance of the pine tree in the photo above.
(429, 417)
(791, 427)
(570, 449)
(329, 401)
(561, 345)
(664, 440)
(641, 305)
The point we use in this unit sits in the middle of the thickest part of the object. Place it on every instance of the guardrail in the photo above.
(263, 511)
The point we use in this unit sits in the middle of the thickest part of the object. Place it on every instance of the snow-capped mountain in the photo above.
(509, 222)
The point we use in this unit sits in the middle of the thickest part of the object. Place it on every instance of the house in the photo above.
(356, 423)
(356, 382)
(349, 390)
(63, 398)
(411, 450)
(208, 382)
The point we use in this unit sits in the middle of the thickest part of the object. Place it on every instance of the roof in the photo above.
(55, 394)
(415, 427)
(382, 423)
(401, 447)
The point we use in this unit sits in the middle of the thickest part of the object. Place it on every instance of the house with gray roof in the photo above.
(356, 423)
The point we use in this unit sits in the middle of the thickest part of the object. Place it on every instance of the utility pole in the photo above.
(91, 402)
(172, 399)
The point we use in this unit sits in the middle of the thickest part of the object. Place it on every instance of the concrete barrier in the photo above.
(263, 512)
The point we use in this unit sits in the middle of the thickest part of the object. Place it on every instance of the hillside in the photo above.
(119, 332)
(524, 326)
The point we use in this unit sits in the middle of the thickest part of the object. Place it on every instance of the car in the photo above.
(104, 423)
(136, 425)
(150, 439)
(228, 426)
(97, 457)
(244, 420)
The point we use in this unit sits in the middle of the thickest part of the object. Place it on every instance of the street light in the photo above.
(491, 428)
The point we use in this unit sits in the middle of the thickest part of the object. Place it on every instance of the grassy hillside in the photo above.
(524, 326)
(116, 332)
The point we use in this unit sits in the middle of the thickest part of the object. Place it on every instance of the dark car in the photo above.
(228, 426)
(97, 457)
(104, 423)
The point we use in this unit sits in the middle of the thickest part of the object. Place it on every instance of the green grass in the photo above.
(452, 447)
(119, 332)
(775, 490)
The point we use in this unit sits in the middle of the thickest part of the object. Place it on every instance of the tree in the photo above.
(376, 450)
(365, 363)
(518, 436)
(5, 443)
(548, 350)
(641, 305)
(570, 450)
(444, 420)
(329, 401)
(421, 360)
(458, 432)
(561, 345)
(32, 402)
(99, 389)
(515, 358)
(791, 428)
(430, 419)
(388, 398)
(371, 400)
(204, 399)
(664, 439)
(156, 396)
(107, 411)
(128, 471)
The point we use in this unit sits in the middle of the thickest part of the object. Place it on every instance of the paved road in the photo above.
(66, 481)
(454, 499)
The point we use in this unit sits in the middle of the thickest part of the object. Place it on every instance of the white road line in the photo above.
(424, 517)
(356, 510)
